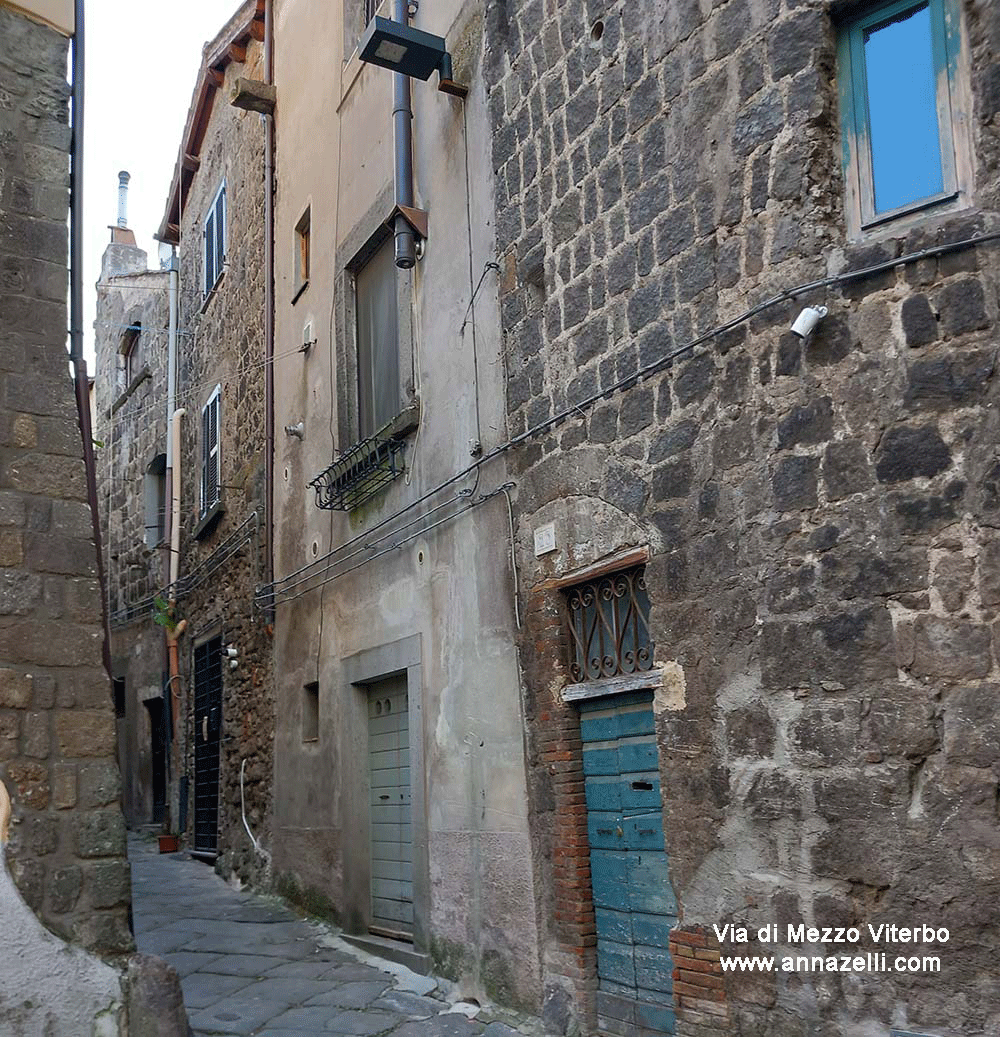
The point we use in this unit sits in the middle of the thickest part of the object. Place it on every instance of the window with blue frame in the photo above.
(898, 66)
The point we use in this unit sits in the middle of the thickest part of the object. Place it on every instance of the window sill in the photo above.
(212, 294)
(132, 387)
(300, 291)
(209, 520)
(645, 681)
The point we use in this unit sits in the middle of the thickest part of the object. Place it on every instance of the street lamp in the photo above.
(411, 52)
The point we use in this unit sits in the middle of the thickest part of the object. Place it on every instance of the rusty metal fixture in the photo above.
(360, 474)
(608, 621)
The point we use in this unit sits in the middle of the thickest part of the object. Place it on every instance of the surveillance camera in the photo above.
(807, 320)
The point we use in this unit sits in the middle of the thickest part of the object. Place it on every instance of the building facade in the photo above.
(400, 797)
(185, 480)
(130, 428)
(802, 529)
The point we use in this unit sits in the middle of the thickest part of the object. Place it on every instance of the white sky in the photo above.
(142, 61)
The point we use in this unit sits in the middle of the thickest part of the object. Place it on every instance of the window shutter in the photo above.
(209, 234)
(212, 460)
(220, 231)
(205, 456)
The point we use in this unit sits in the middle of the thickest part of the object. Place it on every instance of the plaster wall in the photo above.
(445, 594)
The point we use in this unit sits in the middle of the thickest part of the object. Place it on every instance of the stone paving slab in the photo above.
(250, 967)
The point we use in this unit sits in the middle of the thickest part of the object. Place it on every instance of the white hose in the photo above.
(243, 810)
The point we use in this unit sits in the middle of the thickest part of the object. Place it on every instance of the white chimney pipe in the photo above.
(123, 179)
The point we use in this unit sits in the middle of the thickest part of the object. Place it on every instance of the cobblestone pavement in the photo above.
(250, 965)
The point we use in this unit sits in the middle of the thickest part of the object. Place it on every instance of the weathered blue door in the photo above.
(633, 899)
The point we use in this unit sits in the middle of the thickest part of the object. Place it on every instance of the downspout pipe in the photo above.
(402, 133)
(76, 311)
(269, 301)
(172, 296)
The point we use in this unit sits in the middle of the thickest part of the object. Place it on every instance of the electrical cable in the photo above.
(275, 589)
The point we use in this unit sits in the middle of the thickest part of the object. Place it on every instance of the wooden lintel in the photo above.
(238, 52)
(215, 77)
(252, 95)
(173, 232)
(191, 162)
(257, 30)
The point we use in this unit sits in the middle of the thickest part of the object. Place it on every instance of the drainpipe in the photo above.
(173, 635)
(269, 301)
(76, 311)
(402, 127)
(172, 294)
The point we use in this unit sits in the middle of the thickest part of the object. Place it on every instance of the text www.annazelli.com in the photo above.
(876, 962)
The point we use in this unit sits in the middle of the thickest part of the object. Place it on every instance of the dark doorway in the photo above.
(158, 757)
(207, 735)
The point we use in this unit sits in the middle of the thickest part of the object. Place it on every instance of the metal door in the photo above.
(207, 733)
(633, 901)
(391, 839)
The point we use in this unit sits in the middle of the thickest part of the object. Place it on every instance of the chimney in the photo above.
(123, 179)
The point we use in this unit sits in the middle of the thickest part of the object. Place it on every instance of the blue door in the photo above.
(633, 899)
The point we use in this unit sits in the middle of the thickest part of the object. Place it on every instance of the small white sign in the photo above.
(545, 539)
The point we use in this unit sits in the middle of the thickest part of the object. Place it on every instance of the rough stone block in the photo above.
(794, 483)
(155, 1000)
(750, 731)
(810, 423)
(962, 306)
(31, 783)
(98, 784)
(989, 572)
(64, 786)
(109, 884)
(920, 325)
(953, 579)
(950, 648)
(847, 646)
(65, 885)
(972, 726)
(11, 550)
(774, 796)
(85, 732)
(99, 833)
(907, 451)
(825, 734)
(35, 735)
(846, 469)
(16, 689)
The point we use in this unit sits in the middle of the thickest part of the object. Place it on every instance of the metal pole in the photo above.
(269, 300)
(402, 125)
(76, 309)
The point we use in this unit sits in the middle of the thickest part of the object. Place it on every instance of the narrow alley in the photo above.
(250, 965)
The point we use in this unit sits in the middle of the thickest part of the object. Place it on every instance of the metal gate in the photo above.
(391, 839)
(207, 734)
(633, 900)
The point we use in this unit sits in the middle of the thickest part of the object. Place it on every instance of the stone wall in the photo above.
(130, 431)
(57, 733)
(226, 348)
(820, 516)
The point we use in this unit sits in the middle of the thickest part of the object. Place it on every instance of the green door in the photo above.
(633, 899)
(391, 840)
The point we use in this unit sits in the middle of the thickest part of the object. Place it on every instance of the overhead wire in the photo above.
(275, 591)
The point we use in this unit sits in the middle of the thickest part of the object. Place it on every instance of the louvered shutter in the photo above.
(220, 232)
(210, 471)
(209, 253)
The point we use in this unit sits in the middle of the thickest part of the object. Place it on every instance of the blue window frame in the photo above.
(898, 64)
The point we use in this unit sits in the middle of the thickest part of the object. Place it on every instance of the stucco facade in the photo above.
(437, 609)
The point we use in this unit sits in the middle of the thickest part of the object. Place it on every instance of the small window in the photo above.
(302, 232)
(608, 620)
(155, 493)
(214, 241)
(211, 472)
(310, 712)
(897, 67)
(378, 341)
(131, 354)
(371, 8)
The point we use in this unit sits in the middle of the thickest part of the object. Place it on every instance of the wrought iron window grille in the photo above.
(359, 474)
(608, 620)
